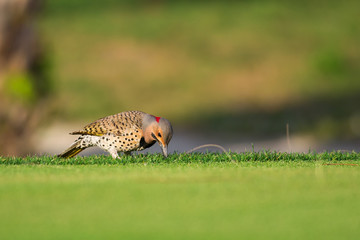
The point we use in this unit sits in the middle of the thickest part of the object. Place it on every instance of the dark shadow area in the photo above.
(324, 117)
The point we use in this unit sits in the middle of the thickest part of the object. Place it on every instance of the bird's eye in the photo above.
(159, 134)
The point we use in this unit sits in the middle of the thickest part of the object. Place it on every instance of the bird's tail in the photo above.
(73, 150)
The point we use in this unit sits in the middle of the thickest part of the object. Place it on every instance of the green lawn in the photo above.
(201, 196)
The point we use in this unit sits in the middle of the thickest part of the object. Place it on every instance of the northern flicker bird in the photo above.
(123, 132)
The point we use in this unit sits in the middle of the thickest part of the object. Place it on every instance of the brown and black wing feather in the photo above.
(116, 124)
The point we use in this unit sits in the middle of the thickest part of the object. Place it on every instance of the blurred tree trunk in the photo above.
(24, 82)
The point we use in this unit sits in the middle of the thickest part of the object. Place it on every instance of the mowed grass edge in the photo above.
(183, 158)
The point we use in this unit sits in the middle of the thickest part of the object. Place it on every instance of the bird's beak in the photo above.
(164, 150)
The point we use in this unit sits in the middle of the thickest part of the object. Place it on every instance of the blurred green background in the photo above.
(236, 67)
(247, 66)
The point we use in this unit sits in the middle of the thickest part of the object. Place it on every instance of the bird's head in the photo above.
(159, 130)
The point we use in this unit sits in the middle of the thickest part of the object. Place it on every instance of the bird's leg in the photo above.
(113, 153)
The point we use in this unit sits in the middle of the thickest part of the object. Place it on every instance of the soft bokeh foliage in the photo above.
(198, 60)
(25, 83)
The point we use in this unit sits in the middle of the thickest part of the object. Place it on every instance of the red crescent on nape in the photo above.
(157, 119)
